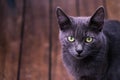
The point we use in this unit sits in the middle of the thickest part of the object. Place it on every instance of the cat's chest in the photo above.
(83, 69)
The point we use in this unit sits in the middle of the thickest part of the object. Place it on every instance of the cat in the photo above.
(90, 45)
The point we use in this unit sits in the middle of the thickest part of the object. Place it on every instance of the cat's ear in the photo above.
(97, 20)
(63, 19)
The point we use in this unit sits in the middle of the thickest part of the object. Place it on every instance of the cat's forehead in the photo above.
(80, 25)
(80, 21)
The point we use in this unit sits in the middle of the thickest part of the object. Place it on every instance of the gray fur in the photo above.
(93, 62)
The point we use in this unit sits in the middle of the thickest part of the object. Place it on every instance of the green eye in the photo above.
(88, 39)
(71, 39)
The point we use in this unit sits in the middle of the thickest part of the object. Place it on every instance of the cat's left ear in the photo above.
(97, 20)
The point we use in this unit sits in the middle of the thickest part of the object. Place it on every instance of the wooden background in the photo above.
(29, 45)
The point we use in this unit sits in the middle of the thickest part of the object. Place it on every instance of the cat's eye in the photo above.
(88, 39)
(71, 39)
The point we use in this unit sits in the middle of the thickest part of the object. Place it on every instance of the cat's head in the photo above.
(81, 36)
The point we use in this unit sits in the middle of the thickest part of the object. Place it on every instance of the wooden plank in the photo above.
(113, 9)
(2, 42)
(58, 70)
(87, 7)
(9, 41)
(34, 61)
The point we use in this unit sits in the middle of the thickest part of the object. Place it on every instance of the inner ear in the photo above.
(97, 20)
(63, 19)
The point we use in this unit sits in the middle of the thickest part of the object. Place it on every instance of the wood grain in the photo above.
(3, 41)
(36, 41)
(10, 42)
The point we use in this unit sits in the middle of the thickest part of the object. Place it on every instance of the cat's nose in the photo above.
(79, 51)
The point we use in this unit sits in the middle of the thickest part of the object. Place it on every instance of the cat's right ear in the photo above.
(63, 19)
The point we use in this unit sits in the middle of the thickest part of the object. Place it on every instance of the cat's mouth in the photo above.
(78, 56)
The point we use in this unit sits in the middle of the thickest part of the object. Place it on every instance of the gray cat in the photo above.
(90, 46)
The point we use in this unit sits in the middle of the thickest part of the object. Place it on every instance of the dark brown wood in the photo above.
(113, 9)
(3, 41)
(58, 70)
(9, 40)
(36, 41)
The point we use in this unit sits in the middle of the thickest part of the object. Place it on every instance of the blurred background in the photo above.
(29, 43)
